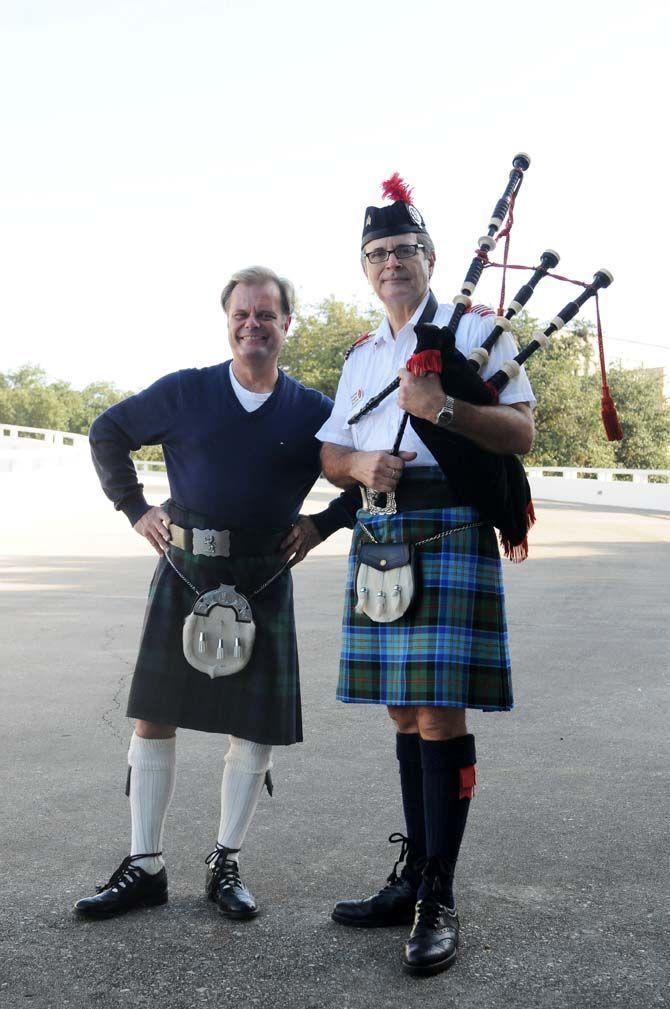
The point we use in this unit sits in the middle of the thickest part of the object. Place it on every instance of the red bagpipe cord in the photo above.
(608, 412)
(610, 421)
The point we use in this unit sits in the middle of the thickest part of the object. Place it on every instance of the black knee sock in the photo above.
(411, 785)
(448, 783)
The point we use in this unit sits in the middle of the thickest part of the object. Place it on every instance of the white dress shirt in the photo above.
(375, 363)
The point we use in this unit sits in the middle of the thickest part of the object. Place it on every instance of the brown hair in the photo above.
(260, 275)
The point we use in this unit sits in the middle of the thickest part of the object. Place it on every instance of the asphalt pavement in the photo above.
(563, 885)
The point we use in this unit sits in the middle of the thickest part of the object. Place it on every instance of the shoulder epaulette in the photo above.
(482, 310)
(357, 343)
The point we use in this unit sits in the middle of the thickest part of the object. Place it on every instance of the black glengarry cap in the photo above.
(401, 218)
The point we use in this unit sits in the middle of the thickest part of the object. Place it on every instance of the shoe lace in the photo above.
(398, 838)
(437, 874)
(225, 870)
(127, 872)
(428, 913)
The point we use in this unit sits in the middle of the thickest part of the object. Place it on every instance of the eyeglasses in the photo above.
(400, 252)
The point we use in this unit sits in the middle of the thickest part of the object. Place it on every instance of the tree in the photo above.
(645, 417)
(314, 351)
(27, 399)
(93, 400)
(569, 431)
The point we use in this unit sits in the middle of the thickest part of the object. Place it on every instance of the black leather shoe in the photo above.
(393, 905)
(225, 887)
(433, 941)
(128, 887)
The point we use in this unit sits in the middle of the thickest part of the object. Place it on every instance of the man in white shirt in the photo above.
(449, 651)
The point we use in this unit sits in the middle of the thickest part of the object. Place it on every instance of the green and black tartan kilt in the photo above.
(450, 649)
(261, 702)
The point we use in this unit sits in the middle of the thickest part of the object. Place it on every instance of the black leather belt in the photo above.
(224, 542)
(415, 495)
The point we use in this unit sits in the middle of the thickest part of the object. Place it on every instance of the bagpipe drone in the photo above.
(494, 484)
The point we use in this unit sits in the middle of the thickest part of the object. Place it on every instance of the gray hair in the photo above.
(261, 275)
(423, 238)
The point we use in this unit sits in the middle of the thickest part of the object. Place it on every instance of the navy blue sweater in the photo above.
(243, 470)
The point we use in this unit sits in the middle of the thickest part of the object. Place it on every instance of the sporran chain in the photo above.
(249, 595)
(429, 539)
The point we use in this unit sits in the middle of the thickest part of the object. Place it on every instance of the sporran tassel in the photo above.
(219, 649)
(202, 643)
(237, 649)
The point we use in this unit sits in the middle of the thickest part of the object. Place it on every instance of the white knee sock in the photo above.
(242, 784)
(152, 781)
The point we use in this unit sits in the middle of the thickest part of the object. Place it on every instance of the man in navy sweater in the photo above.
(241, 456)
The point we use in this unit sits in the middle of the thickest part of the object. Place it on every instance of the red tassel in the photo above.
(519, 553)
(395, 189)
(530, 514)
(424, 362)
(608, 413)
(467, 779)
(516, 554)
(607, 408)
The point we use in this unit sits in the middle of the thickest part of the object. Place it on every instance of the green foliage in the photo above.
(569, 431)
(565, 378)
(28, 399)
(314, 351)
(645, 417)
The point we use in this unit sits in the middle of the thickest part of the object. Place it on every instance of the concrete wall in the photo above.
(24, 449)
(614, 488)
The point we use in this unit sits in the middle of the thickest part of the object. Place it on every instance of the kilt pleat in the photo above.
(261, 702)
(451, 648)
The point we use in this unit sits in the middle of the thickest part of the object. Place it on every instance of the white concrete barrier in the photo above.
(616, 488)
(26, 449)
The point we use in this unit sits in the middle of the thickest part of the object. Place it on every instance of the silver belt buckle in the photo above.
(211, 542)
(380, 502)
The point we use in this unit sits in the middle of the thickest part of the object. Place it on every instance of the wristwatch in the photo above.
(445, 416)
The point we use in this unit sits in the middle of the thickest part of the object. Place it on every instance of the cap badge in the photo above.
(414, 214)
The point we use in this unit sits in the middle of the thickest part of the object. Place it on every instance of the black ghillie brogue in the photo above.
(392, 905)
(127, 888)
(224, 885)
(433, 941)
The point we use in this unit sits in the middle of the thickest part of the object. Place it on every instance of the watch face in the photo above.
(446, 414)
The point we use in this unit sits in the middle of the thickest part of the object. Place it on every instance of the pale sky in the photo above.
(152, 148)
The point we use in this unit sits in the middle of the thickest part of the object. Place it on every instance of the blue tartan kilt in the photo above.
(451, 648)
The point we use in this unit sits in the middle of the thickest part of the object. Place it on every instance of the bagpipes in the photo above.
(494, 484)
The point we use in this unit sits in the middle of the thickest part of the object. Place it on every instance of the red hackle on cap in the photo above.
(395, 189)
(424, 362)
